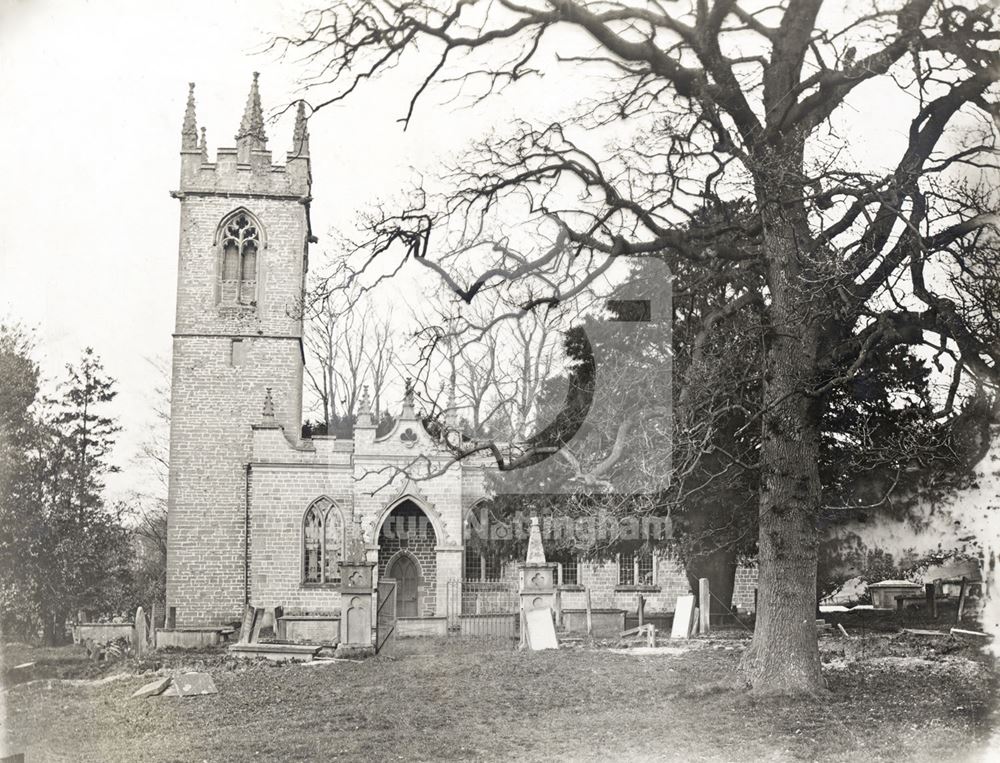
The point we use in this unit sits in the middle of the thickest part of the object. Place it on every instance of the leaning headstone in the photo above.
(246, 627)
(683, 617)
(539, 630)
(258, 623)
(140, 637)
(152, 689)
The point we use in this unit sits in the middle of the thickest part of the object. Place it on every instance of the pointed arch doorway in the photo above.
(403, 569)
(407, 544)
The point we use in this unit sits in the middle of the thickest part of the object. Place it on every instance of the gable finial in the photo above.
(451, 411)
(408, 394)
(203, 146)
(251, 134)
(189, 132)
(300, 137)
(356, 543)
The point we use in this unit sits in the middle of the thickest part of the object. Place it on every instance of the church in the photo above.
(260, 515)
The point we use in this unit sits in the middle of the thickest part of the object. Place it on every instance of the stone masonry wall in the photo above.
(281, 496)
(212, 404)
(217, 393)
(670, 582)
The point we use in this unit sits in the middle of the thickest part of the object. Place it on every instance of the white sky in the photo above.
(93, 98)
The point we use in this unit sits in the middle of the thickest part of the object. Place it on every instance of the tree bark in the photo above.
(783, 657)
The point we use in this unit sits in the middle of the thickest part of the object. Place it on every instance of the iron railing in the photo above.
(483, 609)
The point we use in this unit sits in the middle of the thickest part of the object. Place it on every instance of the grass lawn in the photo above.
(451, 700)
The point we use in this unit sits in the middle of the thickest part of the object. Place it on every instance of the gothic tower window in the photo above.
(240, 245)
(322, 542)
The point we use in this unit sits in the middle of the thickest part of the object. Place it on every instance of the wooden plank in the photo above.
(704, 606)
(843, 630)
(931, 599)
(961, 600)
(590, 619)
(963, 632)
(640, 608)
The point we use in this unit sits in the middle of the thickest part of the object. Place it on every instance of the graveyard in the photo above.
(915, 681)
(895, 695)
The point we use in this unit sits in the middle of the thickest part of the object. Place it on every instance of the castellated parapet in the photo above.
(248, 168)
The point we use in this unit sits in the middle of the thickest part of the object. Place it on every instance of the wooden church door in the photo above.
(404, 572)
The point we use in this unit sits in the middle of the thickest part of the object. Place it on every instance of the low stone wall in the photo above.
(607, 623)
(187, 638)
(318, 629)
(421, 626)
(102, 633)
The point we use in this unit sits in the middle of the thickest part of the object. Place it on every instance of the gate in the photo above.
(385, 613)
(483, 609)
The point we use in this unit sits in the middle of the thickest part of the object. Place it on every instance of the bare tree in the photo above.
(322, 343)
(536, 341)
(494, 357)
(717, 98)
(382, 360)
(347, 346)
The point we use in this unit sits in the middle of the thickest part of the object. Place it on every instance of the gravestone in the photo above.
(140, 634)
(540, 632)
(246, 627)
(157, 616)
(152, 689)
(356, 598)
(190, 685)
(683, 617)
(258, 623)
(537, 580)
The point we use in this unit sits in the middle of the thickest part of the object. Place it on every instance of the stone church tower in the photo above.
(237, 348)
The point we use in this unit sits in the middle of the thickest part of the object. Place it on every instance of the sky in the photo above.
(93, 97)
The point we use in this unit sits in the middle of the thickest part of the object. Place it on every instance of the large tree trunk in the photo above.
(784, 655)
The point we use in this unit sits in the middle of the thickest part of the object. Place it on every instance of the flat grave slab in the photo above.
(277, 652)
